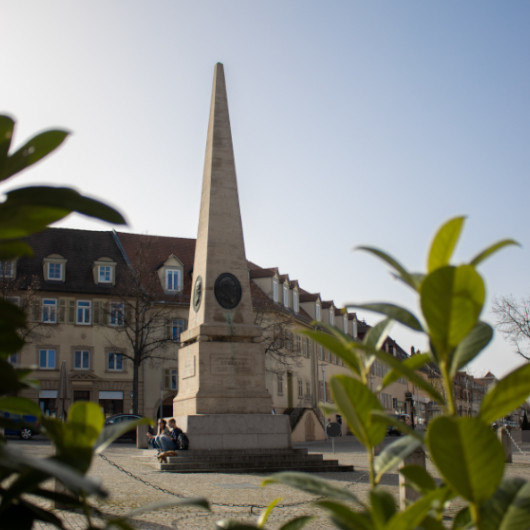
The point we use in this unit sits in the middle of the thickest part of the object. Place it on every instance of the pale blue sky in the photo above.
(353, 123)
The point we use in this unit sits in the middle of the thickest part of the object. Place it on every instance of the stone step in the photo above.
(250, 461)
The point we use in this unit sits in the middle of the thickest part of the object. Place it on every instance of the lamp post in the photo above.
(323, 366)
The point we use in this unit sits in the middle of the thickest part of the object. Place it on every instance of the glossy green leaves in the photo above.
(451, 300)
(468, 455)
(356, 402)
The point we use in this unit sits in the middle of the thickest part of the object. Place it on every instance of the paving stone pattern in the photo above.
(133, 479)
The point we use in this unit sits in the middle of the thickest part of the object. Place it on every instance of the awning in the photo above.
(48, 394)
(109, 394)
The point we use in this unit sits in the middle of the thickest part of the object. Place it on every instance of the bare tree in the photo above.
(282, 346)
(513, 321)
(141, 321)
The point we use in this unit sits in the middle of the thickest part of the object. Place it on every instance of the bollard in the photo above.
(141, 438)
(406, 494)
(504, 438)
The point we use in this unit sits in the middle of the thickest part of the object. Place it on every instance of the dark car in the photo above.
(24, 426)
(394, 431)
(118, 418)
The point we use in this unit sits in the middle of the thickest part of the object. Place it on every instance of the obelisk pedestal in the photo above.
(222, 400)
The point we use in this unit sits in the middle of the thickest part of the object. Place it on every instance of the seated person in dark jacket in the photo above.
(174, 430)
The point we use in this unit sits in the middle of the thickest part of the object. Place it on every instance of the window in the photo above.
(275, 289)
(308, 388)
(81, 359)
(47, 359)
(173, 280)
(84, 312)
(105, 274)
(54, 268)
(55, 271)
(104, 271)
(285, 295)
(332, 315)
(280, 384)
(345, 322)
(115, 362)
(318, 311)
(300, 388)
(177, 327)
(116, 314)
(49, 310)
(7, 268)
(296, 301)
(171, 379)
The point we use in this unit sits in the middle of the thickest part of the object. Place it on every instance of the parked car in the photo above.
(24, 426)
(118, 418)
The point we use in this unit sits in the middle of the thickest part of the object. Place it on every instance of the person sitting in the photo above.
(175, 431)
(162, 441)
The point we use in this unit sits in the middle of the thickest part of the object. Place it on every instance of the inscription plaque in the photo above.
(229, 364)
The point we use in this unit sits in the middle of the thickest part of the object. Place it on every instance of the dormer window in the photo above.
(7, 268)
(173, 280)
(171, 275)
(296, 301)
(318, 311)
(285, 295)
(104, 271)
(54, 268)
(275, 290)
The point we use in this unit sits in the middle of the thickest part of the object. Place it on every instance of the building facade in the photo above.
(106, 310)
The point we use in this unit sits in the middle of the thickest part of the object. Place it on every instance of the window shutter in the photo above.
(71, 312)
(62, 311)
(36, 310)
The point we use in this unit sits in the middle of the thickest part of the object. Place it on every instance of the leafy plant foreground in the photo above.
(466, 452)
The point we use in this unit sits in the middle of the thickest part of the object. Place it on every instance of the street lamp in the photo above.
(323, 366)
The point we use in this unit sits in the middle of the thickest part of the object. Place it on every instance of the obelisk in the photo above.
(222, 397)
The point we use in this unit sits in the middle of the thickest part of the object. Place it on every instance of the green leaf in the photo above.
(297, 522)
(397, 313)
(415, 513)
(32, 151)
(392, 455)
(418, 477)
(376, 335)
(405, 370)
(84, 423)
(413, 363)
(19, 405)
(310, 484)
(506, 395)
(383, 507)
(346, 518)
(65, 199)
(344, 349)
(7, 126)
(402, 273)
(14, 249)
(114, 431)
(200, 502)
(451, 300)
(356, 402)
(491, 250)
(474, 342)
(509, 508)
(268, 510)
(444, 243)
(47, 467)
(467, 454)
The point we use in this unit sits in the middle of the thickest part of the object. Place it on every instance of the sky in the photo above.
(353, 123)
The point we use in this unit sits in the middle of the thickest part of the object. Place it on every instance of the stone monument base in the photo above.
(236, 431)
